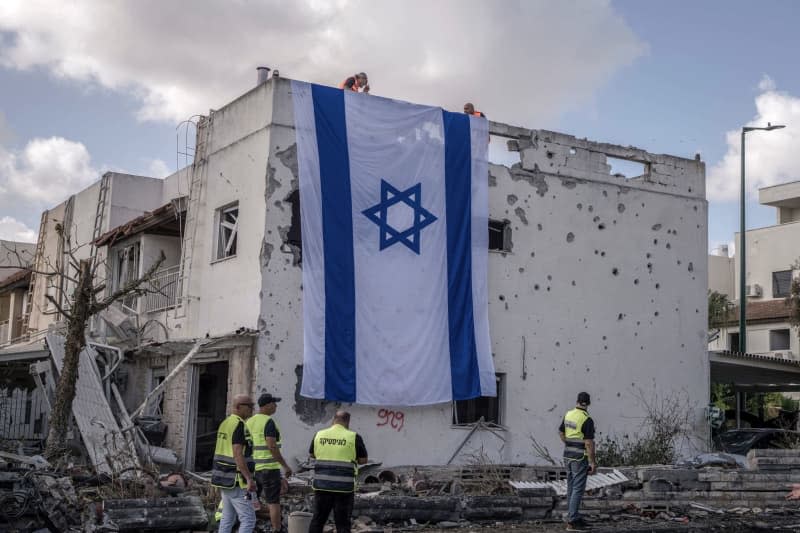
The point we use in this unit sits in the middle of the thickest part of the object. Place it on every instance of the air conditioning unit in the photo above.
(753, 291)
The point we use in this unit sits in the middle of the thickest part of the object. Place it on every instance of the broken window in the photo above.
(500, 235)
(157, 376)
(227, 223)
(126, 269)
(470, 411)
(778, 339)
(781, 283)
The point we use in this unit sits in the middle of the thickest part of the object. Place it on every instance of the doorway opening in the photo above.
(209, 400)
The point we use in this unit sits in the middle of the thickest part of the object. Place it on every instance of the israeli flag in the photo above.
(394, 210)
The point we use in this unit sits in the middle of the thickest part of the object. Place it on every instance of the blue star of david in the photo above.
(379, 214)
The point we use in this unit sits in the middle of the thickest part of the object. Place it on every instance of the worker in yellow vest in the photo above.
(338, 452)
(267, 456)
(231, 472)
(577, 433)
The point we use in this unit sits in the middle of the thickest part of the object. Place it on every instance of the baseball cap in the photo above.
(267, 398)
(583, 397)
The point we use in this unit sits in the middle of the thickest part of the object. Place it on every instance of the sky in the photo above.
(88, 86)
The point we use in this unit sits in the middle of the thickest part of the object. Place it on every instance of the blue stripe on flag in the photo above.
(337, 236)
(458, 190)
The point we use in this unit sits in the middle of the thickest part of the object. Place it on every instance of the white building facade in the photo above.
(597, 282)
(772, 259)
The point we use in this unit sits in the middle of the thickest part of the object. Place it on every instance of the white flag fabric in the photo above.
(394, 220)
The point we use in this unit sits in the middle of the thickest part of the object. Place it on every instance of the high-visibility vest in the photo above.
(355, 86)
(225, 472)
(477, 114)
(335, 469)
(261, 454)
(218, 513)
(574, 445)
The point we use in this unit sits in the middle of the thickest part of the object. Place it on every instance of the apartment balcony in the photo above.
(163, 290)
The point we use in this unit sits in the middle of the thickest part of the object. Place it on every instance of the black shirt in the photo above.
(238, 435)
(271, 430)
(361, 449)
(587, 428)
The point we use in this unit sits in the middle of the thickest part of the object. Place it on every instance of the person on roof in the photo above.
(356, 83)
(469, 109)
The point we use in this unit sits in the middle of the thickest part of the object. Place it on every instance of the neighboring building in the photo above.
(771, 262)
(13, 287)
(597, 282)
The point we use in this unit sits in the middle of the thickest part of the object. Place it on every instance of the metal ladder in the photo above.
(102, 196)
(62, 260)
(198, 172)
(37, 259)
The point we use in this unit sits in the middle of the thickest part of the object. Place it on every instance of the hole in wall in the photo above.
(625, 168)
(499, 154)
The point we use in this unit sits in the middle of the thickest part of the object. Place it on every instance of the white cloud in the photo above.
(770, 156)
(519, 61)
(766, 84)
(158, 169)
(46, 171)
(12, 229)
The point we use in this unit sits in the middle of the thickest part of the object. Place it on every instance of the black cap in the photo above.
(583, 397)
(267, 398)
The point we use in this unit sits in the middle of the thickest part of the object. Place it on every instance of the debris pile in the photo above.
(34, 494)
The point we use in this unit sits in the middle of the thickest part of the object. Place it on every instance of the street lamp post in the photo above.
(742, 239)
(743, 268)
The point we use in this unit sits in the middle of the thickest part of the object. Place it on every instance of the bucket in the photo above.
(299, 522)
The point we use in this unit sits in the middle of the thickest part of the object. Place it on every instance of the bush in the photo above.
(665, 425)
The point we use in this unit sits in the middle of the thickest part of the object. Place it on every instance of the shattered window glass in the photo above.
(227, 231)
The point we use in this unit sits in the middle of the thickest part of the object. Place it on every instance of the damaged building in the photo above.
(597, 282)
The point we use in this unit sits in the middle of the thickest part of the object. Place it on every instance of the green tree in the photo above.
(720, 309)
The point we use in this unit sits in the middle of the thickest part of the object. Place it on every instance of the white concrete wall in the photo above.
(153, 245)
(758, 339)
(720, 275)
(131, 196)
(128, 197)
(604, 291)
(224, 295)
(769, 250)
(176, 185)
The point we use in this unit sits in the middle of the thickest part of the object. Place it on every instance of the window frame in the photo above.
(123, 254)
(776, 283)
(499, 404)
(232, 240)
(731, 346)
(505, 230)
(773, 335)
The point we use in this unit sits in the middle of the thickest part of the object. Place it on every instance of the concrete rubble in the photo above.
(35, 496)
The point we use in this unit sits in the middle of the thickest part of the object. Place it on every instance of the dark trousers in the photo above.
(342, 505)
(577, 472)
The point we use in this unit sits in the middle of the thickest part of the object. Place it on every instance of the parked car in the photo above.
(741, 441)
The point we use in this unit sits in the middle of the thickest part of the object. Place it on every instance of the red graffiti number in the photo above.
(394, 419)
